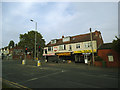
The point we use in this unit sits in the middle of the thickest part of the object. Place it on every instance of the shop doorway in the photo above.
(79, 58)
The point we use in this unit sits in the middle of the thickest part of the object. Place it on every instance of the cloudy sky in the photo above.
(55, 19)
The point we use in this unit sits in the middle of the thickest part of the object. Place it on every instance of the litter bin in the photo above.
(104, 63)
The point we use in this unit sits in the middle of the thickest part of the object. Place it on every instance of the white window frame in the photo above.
(50, 49)
(53, 41)
(62, 47)
(65, 39)
(87, 45)
(77, 46)
(110, 58)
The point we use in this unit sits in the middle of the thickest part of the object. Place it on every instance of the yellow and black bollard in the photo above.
(39, 63)
(23, 62)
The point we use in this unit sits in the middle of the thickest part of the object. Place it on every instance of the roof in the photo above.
(105, 46)
(75, 39)
(16, 48)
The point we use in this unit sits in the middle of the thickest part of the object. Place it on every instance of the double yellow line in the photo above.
(15, 84)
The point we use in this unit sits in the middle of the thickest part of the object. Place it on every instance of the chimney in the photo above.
(97, 33)
(62, 36)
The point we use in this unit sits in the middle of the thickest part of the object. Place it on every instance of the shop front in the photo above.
(50, 57)
(65, 56)
(83, 56)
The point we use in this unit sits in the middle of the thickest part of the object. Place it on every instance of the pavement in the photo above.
(57, 75)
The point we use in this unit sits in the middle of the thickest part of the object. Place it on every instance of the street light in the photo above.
(35, 37)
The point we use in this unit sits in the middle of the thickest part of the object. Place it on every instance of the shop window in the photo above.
(77, 46)
(110, 58)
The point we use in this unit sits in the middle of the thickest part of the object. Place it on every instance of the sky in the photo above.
(55, 19)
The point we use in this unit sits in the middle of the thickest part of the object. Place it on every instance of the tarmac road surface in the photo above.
(57, 75)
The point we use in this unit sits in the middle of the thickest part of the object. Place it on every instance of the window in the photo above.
(53, 41)
(77, 46)
(62, 47)
(110, 58)
(45, 51)
(70, 47)
(50, 48)
(66, 39)
(87, 45)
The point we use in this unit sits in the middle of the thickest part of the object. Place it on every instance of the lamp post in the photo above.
(92, 46)
(35, 37)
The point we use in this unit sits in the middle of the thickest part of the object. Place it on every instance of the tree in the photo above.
(11, 44)
(28, 40)
(116, 44)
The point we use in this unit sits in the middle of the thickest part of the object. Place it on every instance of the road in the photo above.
(57, 75)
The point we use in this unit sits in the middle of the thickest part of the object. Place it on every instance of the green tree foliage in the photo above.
(11, 44)
(28, 40)
(116, 44)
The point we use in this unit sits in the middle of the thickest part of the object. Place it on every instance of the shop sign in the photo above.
(51, 54)
(64, 54)
(85, 51)
(55, 49)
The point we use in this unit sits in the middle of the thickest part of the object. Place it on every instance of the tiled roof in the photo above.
(105, 46)
(16, 48)
(75, 39)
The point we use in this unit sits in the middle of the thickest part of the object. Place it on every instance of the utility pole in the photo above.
(92, 46)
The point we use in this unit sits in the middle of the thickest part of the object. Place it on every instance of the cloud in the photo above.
(57, 19)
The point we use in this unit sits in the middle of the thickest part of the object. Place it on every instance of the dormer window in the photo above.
(73, 38)
(65, 39)
(53, 41)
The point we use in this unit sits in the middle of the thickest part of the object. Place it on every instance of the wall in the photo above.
(103, 54)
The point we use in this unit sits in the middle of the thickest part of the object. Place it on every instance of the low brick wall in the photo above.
(98, 63)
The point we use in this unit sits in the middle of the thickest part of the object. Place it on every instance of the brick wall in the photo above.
(103, 54)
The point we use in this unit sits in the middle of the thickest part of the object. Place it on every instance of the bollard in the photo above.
(38, 64)
(23, 62)
(46, 60)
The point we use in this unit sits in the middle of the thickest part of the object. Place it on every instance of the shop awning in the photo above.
(85, 51)
(64, 54)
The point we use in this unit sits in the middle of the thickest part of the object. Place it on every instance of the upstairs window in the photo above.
(77, 46)
(50, 48)
(70, 47)
(87, 45)
(45, 51)
(65, 39)
(62, 47)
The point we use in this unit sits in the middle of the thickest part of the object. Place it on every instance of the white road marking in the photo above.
(42, 77)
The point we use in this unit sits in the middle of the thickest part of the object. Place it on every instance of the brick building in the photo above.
(18, 53)
(111, 57)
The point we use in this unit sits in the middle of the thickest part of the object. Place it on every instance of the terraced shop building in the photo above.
(75, 48)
